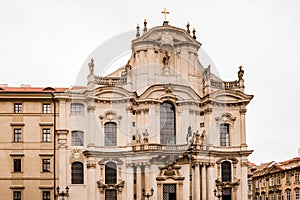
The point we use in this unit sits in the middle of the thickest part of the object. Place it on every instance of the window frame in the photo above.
(77, 138)
(18, 193)
(46, 195)
(226, 171)
(111, 173)
(167, 122)
(46, 108)
(77, 108)
(17, 135)
(77, 175)
(17, 165)
(46, 135)
(297, 194)
(46, 165)
(18, 107)
(297, 177)
(224, 136)
(271, 181)
(110, 134)
(288, 178)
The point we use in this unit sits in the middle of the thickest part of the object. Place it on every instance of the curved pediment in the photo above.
(230, 96)
(112, 93)
(166, 38)
(169, 91)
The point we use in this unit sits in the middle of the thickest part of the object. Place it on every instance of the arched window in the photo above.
(226, 171)
(77, 138)
(110, 134)
(77, 173)
(224, 135)
(110, 173)
(167, 123)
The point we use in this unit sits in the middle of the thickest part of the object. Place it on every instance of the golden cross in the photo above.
(165, 12)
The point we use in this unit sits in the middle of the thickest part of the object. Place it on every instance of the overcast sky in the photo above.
(45, 43)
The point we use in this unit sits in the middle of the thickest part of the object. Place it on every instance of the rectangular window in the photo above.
(288, 178)
(263, 183)
(77, 138)
(279, 195)
(297, 177)
(46, 195)
(46, 165)
(297, 194)
(18, 108)
(271, 183)
(288, 195)
(46, 108)
(77, 108)
(17, 165)
(256, 184)
(17, 135)
(278, 180)
(271, 197)
(224, 135)
(17, 195)
(46, 135)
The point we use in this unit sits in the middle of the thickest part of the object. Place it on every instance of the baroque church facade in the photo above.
(162, 125)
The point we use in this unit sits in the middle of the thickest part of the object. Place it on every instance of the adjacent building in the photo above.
(27, 156)
(276, 181)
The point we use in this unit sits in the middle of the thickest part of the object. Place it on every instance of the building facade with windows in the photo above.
(27, 142)
(163, 121)
(276, 181)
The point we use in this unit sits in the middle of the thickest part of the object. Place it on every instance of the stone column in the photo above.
(197, 182)
(91, 118)
(244, 182)
(243, 127)
(147, 181)
(129, 181)
(91, 177)
(138, 182)
(210, 181)
(203, 181)
(62, 153)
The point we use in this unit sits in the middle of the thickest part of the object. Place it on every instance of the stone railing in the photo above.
(110, 80)
(227, 85)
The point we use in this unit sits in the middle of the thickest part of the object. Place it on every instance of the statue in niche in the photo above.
(166, 58)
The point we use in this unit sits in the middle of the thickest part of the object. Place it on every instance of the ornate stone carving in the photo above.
(110, 116)
(170, 171)
(76, 156)
(102, 186)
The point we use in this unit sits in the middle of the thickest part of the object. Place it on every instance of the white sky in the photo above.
(45, 43)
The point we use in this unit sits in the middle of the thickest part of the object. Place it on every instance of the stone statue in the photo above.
(241, 73)
(166, 58)
(190, 136)
(91, 66)
(145, 136)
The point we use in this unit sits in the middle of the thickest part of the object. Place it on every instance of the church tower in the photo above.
(162, 125)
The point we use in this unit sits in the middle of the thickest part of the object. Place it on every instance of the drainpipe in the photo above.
(54, 144)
